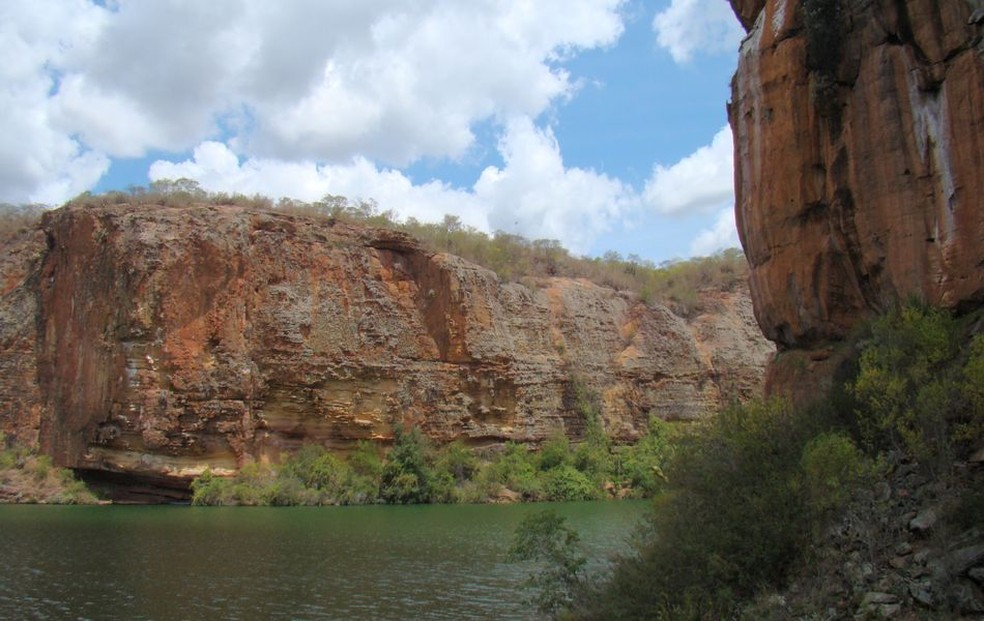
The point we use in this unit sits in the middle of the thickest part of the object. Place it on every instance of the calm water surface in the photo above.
(417, 562)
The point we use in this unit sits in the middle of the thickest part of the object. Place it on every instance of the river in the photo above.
(376, 562)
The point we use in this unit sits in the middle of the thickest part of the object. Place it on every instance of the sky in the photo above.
(598, 123)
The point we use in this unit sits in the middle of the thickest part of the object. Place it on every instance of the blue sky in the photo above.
(600, 123)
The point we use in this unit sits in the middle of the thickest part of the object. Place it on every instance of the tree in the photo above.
(545, 538)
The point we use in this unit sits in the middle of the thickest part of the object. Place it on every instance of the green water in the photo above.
(379, 562)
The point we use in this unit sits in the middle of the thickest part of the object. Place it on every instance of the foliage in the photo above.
(749, 493)
(29, 477)
(567, 483)
(15, 219)
(643, 464)
(737, 511)
(545, 538)
(909, 387)
(972, 389)
(830, 465)
(406, 476)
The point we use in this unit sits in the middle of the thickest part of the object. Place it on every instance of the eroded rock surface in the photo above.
(158, 341)
(859, 144)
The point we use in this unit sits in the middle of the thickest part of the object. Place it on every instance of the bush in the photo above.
(545, 538)
(734, 517)
(644, 462)
(907, 386)
(515, 469)
(406, 476)
(831, 465)
(566, 483)
(555, 452)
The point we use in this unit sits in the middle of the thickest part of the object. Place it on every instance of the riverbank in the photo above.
(29, 478)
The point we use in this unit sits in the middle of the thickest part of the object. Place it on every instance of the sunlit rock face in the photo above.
(859, 171)
(158, 341)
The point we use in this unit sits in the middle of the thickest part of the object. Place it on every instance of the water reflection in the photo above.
(419, 562)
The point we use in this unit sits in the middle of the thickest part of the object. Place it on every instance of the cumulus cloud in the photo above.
(533, 194)
(388, 81)
(39, 161)
(701, 182)
(723, 234)
(690, 27)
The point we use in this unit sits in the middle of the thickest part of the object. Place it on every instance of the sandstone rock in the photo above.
(925, 520)
(858, 178)
(961, 560)
(881, 605)
(158, 341)
(922, 593)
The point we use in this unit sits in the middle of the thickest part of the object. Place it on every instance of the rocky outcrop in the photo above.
(158, 341)
(859, 161)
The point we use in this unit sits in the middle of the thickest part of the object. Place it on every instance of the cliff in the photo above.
(859, 164)
(158, 341)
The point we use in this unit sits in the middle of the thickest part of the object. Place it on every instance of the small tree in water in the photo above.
(546, 539)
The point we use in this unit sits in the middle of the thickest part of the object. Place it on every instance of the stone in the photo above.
(882, 605)
(160, 341)
(857, 185)
(922, 592)
(961, 560)
(924, 521)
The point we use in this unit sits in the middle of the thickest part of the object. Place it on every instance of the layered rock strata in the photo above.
(158, 341)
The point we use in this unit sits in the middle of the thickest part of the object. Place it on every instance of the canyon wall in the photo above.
(859, 165)
(158, 341)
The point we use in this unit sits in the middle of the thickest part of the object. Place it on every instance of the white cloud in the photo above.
(533, 194)
(385, 80)
(689, 27)
(39, 162)
(723, 234)
(701, 182)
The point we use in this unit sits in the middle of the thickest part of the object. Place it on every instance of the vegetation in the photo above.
(415, 471)
(27, 477)
(544, 538)
(748, 496)
(676, 284)
(15, 219)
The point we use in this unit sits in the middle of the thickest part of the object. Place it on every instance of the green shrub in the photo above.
(457, 461)
(643, 463)
(906, 385)
(545, 538)
(566, 483)
(971, 427)
(207, 489)
(555, 452)
(831, 465)
(515, 469)
(406, 476)
(315, 468)
(733, 518)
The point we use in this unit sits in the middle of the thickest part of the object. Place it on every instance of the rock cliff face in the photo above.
(157, 341)
(859, 171)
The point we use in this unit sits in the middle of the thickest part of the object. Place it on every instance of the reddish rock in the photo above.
(157, 341)
(859, 169)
